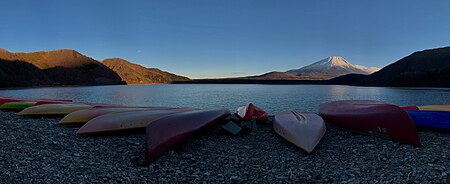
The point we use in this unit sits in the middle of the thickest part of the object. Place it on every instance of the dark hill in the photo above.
(15, 73)
(424, 68)
(428, 68)
(274, 76)
(136, 74)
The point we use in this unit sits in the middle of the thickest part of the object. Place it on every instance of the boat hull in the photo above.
(434, 108)
(121, 121)
(7, 99)
(165, 132)
(83, 116)
(53, 109)
(16, 106)
(371, 117)
(303, 129)
(439, 120)
(251, 112)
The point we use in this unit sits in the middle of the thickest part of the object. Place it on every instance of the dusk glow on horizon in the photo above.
(228, 38)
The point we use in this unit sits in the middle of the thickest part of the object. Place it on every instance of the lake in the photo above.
(272, 98)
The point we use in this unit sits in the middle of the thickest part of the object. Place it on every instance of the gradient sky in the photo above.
(223, 38)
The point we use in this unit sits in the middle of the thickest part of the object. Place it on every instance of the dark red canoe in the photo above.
(371, 117)
(165, 132)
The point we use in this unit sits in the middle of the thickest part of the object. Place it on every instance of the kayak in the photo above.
(251, 112)
(304, 129)
(83, 116)
(25, 104)
(439, 120)
(53, 109)
(434, 107)
(371, 117)
(165, 132)
(7, 99)
(410, 108)
(120, 121)
(16, 105)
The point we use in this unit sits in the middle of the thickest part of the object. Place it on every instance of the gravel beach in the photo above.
(38, 150)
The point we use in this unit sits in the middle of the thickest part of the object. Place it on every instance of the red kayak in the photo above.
(251, 112)
(167, 131)
(410, 108)
(371, 117)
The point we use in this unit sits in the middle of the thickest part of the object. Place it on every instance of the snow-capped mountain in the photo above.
(331, 67)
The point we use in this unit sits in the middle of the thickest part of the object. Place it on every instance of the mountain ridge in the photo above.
(64, 67)
(329, 68)
(133, 73)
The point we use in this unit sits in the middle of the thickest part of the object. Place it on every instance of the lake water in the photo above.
(272, 98)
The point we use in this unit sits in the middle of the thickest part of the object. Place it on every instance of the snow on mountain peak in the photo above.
(331, 67)
(332, 61)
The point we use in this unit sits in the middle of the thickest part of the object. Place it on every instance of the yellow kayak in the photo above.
(121, 121)
(53, 109)
(434, 108)
(83, 116)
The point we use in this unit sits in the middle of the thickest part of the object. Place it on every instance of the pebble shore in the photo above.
(39, 150)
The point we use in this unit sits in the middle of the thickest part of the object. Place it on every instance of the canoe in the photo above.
(371, 117)
(251, 112)
(165, 132)
(53, 109)
(439, 120)
(25, 104)
(82, 116)
(434, 107)
(304, 129)
(121, 121)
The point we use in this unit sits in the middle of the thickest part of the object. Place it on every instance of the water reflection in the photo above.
(273, 98)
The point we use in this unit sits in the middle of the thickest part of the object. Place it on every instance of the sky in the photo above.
(227, 38)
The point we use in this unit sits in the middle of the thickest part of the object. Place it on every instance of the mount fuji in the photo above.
(329, 68)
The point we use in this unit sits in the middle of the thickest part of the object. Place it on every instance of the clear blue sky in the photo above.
(222, 38)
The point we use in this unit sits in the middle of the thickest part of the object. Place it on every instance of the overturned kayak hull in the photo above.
(7, 99)
(371, 117)
(53, 109)
(122, 121)
(251, 112)
(16, 106)
(165, 132)
(434, 108)
(303, 129)
(83, 116)
(438, 120)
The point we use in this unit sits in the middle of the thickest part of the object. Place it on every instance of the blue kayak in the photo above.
(430, 119)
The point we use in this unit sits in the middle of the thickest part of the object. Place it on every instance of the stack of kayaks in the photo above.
(371, 117)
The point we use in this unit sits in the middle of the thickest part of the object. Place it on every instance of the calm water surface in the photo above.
(272, 98)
